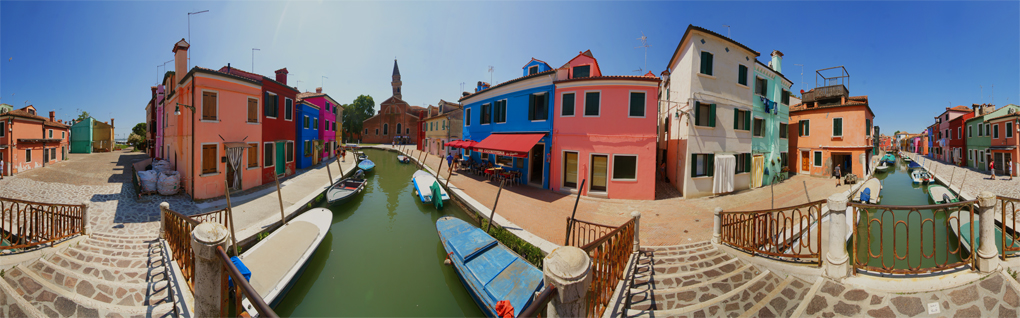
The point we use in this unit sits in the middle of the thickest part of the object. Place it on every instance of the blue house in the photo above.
(307, 132)
(512, 123)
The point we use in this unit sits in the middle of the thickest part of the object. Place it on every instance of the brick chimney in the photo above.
(281, 75)
(111, 123)
(181, 58)
(318, 90)
(153, 91)
(53, 116)
(777, 61)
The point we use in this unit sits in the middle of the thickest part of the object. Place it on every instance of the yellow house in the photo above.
(441, 126)
(102, 136)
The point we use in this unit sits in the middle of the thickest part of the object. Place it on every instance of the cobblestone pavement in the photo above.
(663, 222)
(973, 181)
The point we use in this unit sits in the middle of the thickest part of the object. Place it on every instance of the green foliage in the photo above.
(139, 129)
(531, 253)
(355, 114)
(262, 235)
(84, 115)
(137, 141)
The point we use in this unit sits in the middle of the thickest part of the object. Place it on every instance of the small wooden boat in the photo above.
(889, 158)
(277, 260)
(870, 191)
(920, 176)
(425, 185)
(366, 165)
(490, 271)
(882, 167)
(963, 230)
(345, 189)
(403, 159)
(360, 155)
(940, 194)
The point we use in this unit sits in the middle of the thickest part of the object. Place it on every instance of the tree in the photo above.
(84, 115)
(137, 141)
(356, 113)
(139, 129)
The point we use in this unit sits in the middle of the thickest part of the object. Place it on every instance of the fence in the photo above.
(609, 251)
(580, 233)
(1010, 207)
(177, 233)
(884, 227)
(25, 224)
(782, 233)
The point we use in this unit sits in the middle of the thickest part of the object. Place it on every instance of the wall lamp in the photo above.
(177, 109)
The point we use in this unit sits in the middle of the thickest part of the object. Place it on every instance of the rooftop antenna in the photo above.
(461, 86)
(801, 76)
(298, 84)
(490, 74)
(644, 44)
(727, 30)
(253, 59)
(189, 30)
(322, 81)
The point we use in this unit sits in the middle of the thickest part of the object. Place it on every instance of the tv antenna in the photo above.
(461, 86)
(645, 45)
(490, 74)
(253, 59)
(801, 76)
(727, 30)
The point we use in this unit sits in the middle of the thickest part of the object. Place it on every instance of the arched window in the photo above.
(386, 129)
(398, 128)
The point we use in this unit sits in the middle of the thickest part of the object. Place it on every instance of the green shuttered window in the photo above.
(706, 63)
(742, 75)
(837, 127)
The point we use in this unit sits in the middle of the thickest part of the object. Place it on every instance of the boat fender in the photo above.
(448, 261)
(504, 309)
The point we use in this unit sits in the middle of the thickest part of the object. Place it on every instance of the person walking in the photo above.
(662, 169)
(343, 154)
(2, 170)
(991, 168)
(838, 174)
(449, 161)
(1010, 173)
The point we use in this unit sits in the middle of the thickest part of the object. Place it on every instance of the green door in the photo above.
(281, 165)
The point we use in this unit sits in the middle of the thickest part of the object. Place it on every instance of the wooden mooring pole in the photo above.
(279, 195)
(441, 161)
(449, 175)
(230, 216)
(493, 213)
(330, 174)
(340, 167)
(570, 223)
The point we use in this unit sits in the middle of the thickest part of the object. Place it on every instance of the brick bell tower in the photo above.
(396, 80)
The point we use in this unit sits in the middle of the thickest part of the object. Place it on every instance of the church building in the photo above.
(396, 119)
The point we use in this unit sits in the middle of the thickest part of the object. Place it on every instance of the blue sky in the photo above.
(912, 58)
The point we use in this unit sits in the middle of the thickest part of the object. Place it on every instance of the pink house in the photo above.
(944, 134)
(603, 132)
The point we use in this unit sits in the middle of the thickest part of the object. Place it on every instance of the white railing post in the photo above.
(86, 224)
(569, 269)
(163, 207)
(988, 254)
(717, 226)
(637, 227)
(208, 279)
(837, 260)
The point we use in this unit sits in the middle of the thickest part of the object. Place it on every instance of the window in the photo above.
(272, 108)
(53, 153)
(307, 122)
(980, 129)
(253, 110)
(396, 131)
(209, 110)
(818, 159)
(867, 127)
(567, 105)
(62, 136)
(485, 156)
(538, 107)
(783, 130)
(582, 71)
(51, 133)
(500, 111)
(377, 131)
(742, 75)
(290, 151)
(981, 156)
(704, 114)
(959, 132)
(253, 155)
(837, 127)
(995, 131)
(467, 117)
(761, 86)
(624, 167)
(366, 131)
(486, 114)
(759, 127)
(569, 169)
(334, 126)
(591, 103)
(533, 70)
(599, 173)
(637, 104)
(702, 165)
(28, 155)
(269, 154)
(988, 130)
(288, 109)
(743, 163)
(741, 120)
(706, 63)
(385, 129)
(785, 98)
(504, 160)
(3, 128)
(520, 163)
(783, 159)
(315, 122)
(1009, 129)
(209, 157)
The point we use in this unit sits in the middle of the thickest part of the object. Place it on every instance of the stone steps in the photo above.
(54, 301)
(128, 253)
(11, 305)
(127, 275)
(121, 246)
(688, 278)
(668, 253)
(124, 294)
(692, 257)
(680, 247)
(675, 268)
(126, 237)
(111, 261)
(122, 240)
(677, 297)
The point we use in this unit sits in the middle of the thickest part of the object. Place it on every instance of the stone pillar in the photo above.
(85, 218)
(208, 279)
(836, 260)
(717, 226)
(569, 269)
(988, 254)
(163, 207)
(637, 230)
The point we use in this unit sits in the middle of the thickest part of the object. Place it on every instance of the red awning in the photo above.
(461, 144)
(513, 145)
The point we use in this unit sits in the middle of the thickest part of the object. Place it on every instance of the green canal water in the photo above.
(382, 256)
(927, 238)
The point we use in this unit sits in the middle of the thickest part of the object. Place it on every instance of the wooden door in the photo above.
(805, 161)
(280, 159)
(537, 163)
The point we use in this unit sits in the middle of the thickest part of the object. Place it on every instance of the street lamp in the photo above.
(189, 29)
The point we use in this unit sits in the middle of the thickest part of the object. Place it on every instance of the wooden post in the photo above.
(964, 182)
(951, 175)
(340, 167)
(230, 215)
(330, 174)
(441, 161)
(570, 223)
(449, 175)
(279, 195)
(424, 162)
(493, 213)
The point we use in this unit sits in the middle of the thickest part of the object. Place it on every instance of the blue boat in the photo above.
(889, 158)
(366, 165)
(490, 271)
(913, 165)
(425, 185)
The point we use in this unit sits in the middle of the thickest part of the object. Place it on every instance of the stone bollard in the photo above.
(717, 226)
(208, 277)
(569, 269)
(637, 230)
(85, 220)
(163, 207)
(988, 254)
(836, 260)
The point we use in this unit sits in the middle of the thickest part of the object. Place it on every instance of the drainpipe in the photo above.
(192, 174)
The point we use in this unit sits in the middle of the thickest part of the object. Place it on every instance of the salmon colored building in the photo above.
(603, 132)
(1005, 148)
(958, 139)
(207, 111)
(29, 141)
(830, 128)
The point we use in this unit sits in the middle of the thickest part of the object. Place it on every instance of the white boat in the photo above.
(921, 176)
(941, 195)
(875, 187)
(423, 182)
(965, 225)
(882, 167)
(276, 260)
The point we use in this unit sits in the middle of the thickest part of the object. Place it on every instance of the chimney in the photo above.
(111, 123)
(318, 90)
(777, 61)
(153, 91)
(181, 58)
(281, 75)
(53, 116)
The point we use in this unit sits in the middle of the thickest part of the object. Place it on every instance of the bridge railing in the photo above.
(1010, 207)
(610, 249)
(25, 224)
(788, 233)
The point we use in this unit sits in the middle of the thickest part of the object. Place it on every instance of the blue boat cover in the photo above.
(913, 165)
(240, 268)
(469, 244)
(866, 195)
(366, 164)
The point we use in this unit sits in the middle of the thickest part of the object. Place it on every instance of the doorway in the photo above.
(599, 173)
(805, 161)
(230, 177)
(537, 164)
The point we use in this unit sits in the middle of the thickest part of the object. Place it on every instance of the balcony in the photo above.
(826, 92)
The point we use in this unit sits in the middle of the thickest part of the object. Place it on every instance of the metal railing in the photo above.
(781, 233)
(931, 247)
(609, 256)
(580, 233)
(540, 302)
(177, 230)
(242, 288)
(1010, 208)
(25, 224)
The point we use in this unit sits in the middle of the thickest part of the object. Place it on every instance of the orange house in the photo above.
(831, 129)
(206, 112)
(29, 141)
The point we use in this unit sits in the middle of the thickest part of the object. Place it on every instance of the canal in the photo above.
(382, 256)
(907, 234)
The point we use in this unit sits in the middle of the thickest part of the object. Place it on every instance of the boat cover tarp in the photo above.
(366, 164)
(469, 244)
(437, 200)
(866, 195)
(913, 165)
(965, 234)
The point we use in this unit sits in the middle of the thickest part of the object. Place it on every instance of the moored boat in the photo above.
(869, 192)
(366, 165)
(940, 194)
(403, 159)
(882, 167)
(921, 176)
(426, 186)
(345, 189)
(277, 260)
(490, 271)
(963, 230)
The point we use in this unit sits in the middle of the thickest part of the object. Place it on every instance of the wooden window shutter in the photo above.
(737, 118)
(209, 106)
(747, 162)
(694, 165)
(266, 111)
(253, 110)
(531, 107)
(800, 128)
(711, 115)
(276, 105)
(208, 159)
(697, 113)
(711, 165)
(747, 120)
(807, 128)
(253, 156)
